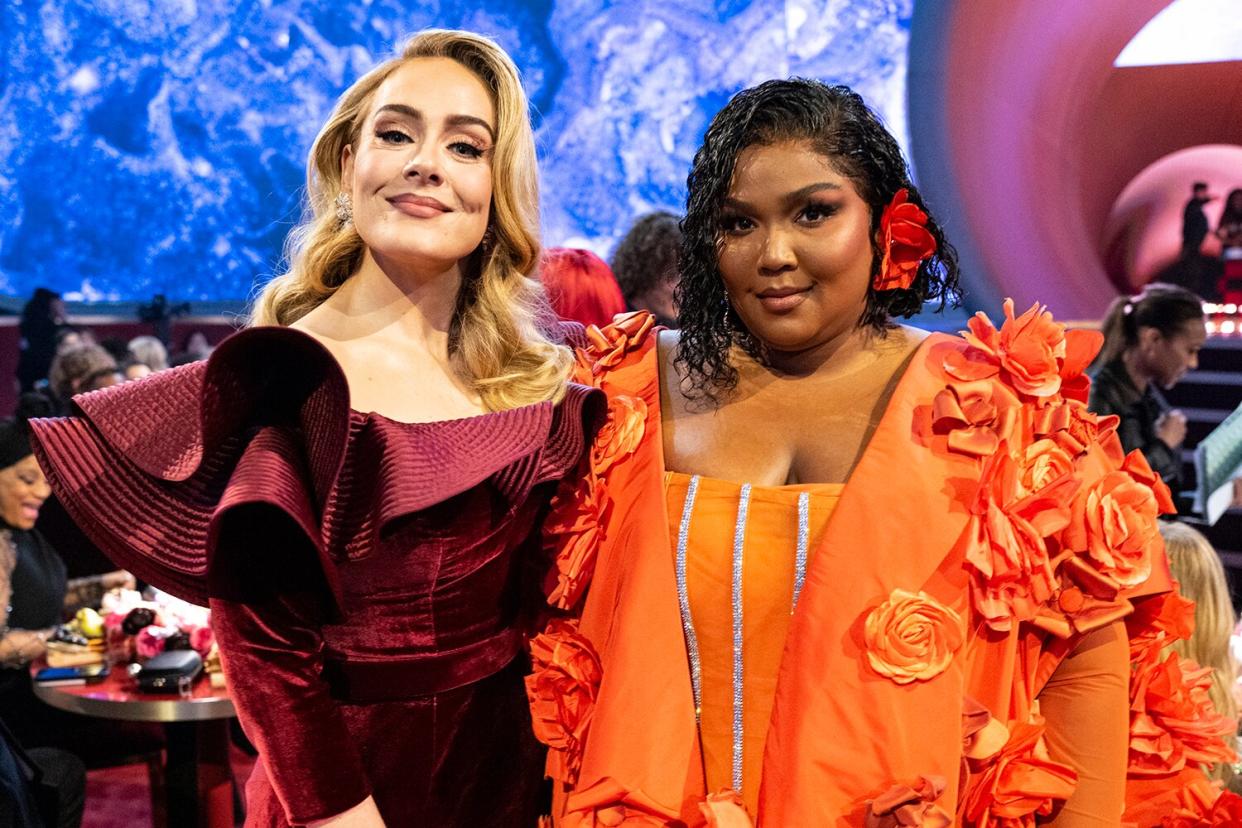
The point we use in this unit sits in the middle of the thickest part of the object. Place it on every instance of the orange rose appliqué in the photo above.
(607, 346)
(562, 688)
(1029, 350)
(1009, 789)
(620, 434)
(909, 806)
(573, 531)
(1114, 523)
(911, 637)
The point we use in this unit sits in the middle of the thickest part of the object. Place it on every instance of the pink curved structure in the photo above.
(1024, 135)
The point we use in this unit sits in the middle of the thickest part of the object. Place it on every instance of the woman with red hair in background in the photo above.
(580, 286)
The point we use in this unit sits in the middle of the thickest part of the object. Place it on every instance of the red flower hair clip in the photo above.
(905, 240)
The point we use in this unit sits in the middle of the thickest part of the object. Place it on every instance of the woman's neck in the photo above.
(835, 355)
(384, 298)
(1134, 369)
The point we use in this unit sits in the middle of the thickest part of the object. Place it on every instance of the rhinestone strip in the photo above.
(804, 532)
(739, 538)
(683, 598)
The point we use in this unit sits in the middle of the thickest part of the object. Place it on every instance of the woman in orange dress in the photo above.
(824, 569)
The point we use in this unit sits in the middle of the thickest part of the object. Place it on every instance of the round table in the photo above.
(198, 779)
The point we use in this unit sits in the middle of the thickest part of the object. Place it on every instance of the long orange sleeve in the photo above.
(1086, 705)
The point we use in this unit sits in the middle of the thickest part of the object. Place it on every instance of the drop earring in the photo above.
(344, 208)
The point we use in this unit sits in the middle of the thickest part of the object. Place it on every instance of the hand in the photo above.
(363, 815)
(1171, 428)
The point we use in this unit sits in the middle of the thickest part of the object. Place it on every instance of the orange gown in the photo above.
(986, 547)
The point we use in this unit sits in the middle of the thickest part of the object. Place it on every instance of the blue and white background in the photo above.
(158, 146)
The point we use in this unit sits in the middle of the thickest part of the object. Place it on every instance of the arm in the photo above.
(1086, 706)
(17, 647)
(1164, 459)
(88, 591)
(268, 606)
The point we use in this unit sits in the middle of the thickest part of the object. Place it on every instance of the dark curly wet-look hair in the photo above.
(838, 123)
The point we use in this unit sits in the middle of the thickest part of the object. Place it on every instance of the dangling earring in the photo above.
(489, 239)
(344, 208)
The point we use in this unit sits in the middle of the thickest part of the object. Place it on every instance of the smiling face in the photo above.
(420, 173)
(796, 247)
(22, 491)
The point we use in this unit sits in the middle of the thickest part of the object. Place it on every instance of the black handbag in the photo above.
(169, 671)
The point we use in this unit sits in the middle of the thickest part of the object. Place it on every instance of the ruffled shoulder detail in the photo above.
(147, 470)
(574, 422)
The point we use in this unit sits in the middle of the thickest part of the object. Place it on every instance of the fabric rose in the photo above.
(573, 531)
(911, 637)
(1019, 783)
(1044, 465)
(1080, 349)
(1203, 805)
(1072, 426)
(909, 805)
(1028, 351)
(725, 809)
(983, 735)
(562, 688)
(1004, 546)
(905, 240)
(1158, 621)
(607, 346)
(1114, 523)
(1136, 465)
(620, 434)
(975, 416)
(1172, 718)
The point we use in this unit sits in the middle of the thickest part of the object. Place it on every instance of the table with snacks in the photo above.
(127, 632)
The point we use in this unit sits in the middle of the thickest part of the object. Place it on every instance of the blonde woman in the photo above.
(353, 483)
(1198, 569)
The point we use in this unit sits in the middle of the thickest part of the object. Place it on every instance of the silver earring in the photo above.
(344, 208)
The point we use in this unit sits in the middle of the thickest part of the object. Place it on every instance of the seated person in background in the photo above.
(196, 346)
(82, 369)
(148, 351)
(132, 369)
(34, 592)
(580, 286)
(645, 264)
(1198, 569)
(25, 801)
(70, 337)
(1150, 341)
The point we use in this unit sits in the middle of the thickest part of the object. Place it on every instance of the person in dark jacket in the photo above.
(1150, 341)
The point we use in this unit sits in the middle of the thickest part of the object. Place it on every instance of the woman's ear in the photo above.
(1148, 337)
(347, 169)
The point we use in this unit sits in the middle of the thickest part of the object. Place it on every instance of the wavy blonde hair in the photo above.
(1198, 569)
(499, 341)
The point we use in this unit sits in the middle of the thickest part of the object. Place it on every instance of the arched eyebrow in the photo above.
(796, 197)
(451, 120)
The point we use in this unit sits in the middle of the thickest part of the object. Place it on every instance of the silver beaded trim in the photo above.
(739, 542)
(804, 532)
(683, 598)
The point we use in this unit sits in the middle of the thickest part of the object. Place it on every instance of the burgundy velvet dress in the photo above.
(371, 582)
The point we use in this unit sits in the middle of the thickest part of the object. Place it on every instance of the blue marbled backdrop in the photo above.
(157, 146)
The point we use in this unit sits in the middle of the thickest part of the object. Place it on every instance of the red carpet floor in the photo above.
(120, 798)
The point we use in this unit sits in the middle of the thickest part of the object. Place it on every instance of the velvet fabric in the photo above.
(368, 578)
